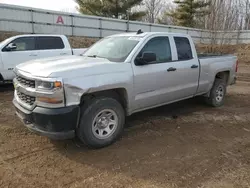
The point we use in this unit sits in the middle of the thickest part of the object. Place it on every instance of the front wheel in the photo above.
(102, 121)
(217, 93)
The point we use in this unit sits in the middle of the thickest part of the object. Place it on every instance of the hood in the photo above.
(70, 66)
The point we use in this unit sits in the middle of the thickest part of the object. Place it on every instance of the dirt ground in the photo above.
(187, 144)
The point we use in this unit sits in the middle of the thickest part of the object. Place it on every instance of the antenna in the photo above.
(139, 32)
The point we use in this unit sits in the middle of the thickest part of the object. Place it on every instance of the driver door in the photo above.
(24, 51)
(151, 80)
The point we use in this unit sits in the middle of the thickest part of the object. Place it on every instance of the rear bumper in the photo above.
(56, 124)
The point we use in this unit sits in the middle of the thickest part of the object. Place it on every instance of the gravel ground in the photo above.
(186, 144)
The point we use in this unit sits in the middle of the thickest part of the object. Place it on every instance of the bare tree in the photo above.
(164, 17)
(224, 16)
(246, 16)
(153, 8)
(224, 22)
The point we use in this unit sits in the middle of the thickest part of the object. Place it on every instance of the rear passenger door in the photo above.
(187, 69)
(50, 46)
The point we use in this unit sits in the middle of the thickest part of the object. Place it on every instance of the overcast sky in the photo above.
(60, 5)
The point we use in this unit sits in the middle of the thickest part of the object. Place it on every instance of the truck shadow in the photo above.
(170, 112)
(130, 155)
(173, 111)
(6, 87)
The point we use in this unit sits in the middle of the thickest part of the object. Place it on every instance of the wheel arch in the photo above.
(120, 94)
(223, 75)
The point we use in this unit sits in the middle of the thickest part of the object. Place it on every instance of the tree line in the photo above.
(204, 14)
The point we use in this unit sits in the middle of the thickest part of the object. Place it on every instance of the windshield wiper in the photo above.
(94, 56)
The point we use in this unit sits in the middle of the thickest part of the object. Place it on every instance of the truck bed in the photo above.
(213, 63)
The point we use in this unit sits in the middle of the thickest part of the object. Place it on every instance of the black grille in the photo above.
(26, 82)
(26, 98)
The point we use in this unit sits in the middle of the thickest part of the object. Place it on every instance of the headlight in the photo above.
(50, 93)
(44, 85)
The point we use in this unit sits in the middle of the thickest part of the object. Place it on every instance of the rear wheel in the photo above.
(217, 93)
(102, 121)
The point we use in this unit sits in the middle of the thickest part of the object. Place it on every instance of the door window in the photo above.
(22, 44)
(159, 46)
(49, 43)
(183, 47)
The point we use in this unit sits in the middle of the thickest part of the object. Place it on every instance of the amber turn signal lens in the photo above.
(49, 100)
(58, 84)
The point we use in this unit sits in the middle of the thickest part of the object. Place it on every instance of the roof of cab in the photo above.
(39, 35)
(131, 34)
(144, 34)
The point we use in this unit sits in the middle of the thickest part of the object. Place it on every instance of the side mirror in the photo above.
(147, 57)
(11, 46)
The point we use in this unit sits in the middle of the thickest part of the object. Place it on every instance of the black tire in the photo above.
(212, 100)
(88, 113)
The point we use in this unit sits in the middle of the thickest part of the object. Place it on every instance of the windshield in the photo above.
(113, 48)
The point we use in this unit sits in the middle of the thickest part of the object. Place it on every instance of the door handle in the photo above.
(33, 55)
(63, 53)
(194, 66)
(171, 69)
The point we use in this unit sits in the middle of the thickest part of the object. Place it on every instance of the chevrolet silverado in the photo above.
(89, 96)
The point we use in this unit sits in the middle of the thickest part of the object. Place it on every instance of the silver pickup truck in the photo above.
(89, 96)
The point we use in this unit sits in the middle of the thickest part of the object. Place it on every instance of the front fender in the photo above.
(75, 88)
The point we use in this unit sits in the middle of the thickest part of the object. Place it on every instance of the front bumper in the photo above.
(59, 123)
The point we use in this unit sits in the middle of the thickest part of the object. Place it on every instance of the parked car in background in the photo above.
(22, 48)
(89, 96)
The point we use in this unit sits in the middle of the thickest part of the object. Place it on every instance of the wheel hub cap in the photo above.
(219, 94)
(105, 124)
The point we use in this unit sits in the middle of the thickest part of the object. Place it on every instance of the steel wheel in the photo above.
(219, 94)
(104, 124)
